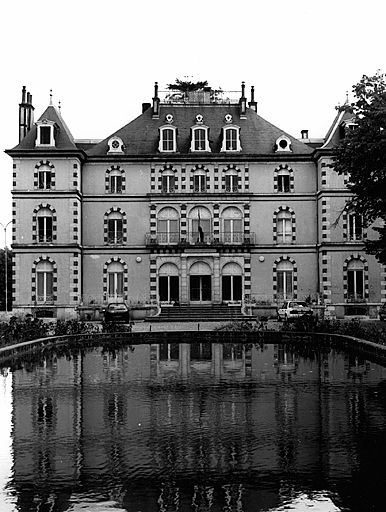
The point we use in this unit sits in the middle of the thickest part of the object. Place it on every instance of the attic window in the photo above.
(199, 141)
(168, 139)
(231, 138)
(115, 145)
(283, 144)
(45, 133)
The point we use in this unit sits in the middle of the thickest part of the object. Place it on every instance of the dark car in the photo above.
(382, 312)
(117, 312)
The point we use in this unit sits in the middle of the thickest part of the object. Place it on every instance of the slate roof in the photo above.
(141, 136)
(333, 135)
(63, 137)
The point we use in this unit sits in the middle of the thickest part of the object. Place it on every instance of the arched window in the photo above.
(168, 283)
(232, 226)
(115, 228)
(200, 221)
(283, 180)
(284, 279)
(45, 177)
(354, 226)
(231, 139)
(232, 282)
(199, 180)
(168, 181)
(115, 281)
(355, 279)
(44, 225)
(45, 280)
(200, 140)
(284, 227)
(168, 228)
(168, 139)
(231, 180)
(115, 181)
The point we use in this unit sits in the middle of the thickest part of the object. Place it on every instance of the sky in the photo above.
(101, 59)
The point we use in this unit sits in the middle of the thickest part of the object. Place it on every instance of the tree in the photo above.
(187, 85)
(361, 154)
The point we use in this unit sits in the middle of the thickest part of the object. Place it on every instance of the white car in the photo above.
(293, 309)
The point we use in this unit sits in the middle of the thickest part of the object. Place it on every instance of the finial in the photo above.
(50, 96)
(60, 106)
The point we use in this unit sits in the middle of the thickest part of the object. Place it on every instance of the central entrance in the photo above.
(200, 283)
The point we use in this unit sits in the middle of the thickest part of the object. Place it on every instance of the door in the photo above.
(201, 289)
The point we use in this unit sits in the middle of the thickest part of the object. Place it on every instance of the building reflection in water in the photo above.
(186, 426)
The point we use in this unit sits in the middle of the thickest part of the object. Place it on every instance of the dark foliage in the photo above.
(361, 155)
(187, 85)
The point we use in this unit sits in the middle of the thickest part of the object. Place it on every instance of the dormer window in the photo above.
(168, 139)
(231, 139)
(45, 133)
(200, 140)
(283, 144)
(115, 145)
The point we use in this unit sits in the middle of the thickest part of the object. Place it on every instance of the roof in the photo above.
(141, 136)
(333, 135)
(63, 137)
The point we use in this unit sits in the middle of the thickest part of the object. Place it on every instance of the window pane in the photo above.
(45, 135)
(163, 288)
(226, 288)
(237, 288)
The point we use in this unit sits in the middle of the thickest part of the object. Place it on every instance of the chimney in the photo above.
(156, 102)
(253, 104)
(304, 134)
(26, 114)
(145, 106)
(243, 102)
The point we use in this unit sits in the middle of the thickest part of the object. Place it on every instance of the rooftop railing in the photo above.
(198, 97)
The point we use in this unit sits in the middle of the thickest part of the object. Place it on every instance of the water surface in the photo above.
(201, 427)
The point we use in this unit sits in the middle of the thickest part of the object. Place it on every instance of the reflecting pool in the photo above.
(194, 427)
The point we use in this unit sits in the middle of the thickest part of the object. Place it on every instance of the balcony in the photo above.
(194, 239)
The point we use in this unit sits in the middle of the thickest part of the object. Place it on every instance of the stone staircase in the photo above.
(200, 313)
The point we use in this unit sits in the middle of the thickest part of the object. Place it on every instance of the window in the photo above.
(232, 282)
(200, 222)
(168, 226)
(355, 280)
(44, 225)
(200, 139)
(199, 181)
(168, 182)
(233, 226)
(168, 283)
(355, 226)
(115, 228)
(44, 177)
(283, 180)
(284, 227)
(115, 145)
(283, 144)
(231, 139)
(231, 181)
(45, 280)
(167, 139)
(115, 280)
(284, 279)
(115, 180)
(45, 133)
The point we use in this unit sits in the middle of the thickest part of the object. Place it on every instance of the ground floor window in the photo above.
(285, 279)
(169, 288)
(201, 288)
(115, 280)
(45, 281)
(355, 280)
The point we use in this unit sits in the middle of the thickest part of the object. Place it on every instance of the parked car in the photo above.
(292, 309)
(117, 312)
(382, 312)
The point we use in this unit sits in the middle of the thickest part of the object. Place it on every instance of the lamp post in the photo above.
(5, 263)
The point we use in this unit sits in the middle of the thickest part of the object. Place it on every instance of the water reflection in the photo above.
(201, 427)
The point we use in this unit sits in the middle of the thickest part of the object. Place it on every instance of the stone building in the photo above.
(197, 201)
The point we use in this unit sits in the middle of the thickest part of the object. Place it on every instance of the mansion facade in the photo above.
(199, 200)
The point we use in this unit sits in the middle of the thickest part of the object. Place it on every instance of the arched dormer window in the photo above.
(45, 133)
(200, 138)
(231, 138)
(283, 144)
(115, 145)
(167, 139)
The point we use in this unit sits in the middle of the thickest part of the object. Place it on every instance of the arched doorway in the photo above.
(232, 282)
(168, 283)
(200, 283)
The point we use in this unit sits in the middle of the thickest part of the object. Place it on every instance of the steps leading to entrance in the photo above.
(200, 313)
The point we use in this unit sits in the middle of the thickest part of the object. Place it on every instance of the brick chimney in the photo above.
(26, 114)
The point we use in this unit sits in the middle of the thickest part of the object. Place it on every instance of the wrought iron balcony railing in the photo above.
(238, 238)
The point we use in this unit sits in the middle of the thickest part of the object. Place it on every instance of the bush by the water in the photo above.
(354, 327)
(18, 330)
